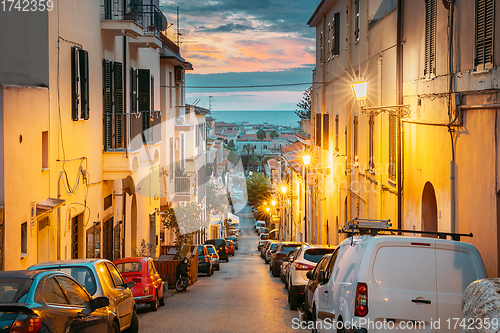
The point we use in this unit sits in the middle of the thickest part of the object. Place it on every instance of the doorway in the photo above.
(429, 209)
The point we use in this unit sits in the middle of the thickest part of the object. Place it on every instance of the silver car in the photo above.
(101, 278)
(215, 257)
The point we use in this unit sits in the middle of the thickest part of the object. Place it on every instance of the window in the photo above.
(371, 144)
(76, 295)
(321, 47)
(79, 84)
(318, 129)
(336, 34)
(265, 146)
(24, 237)
(117, 278)
(337, 132)
(144, 92)
(326, 131)
(94, 241)
(356, 21)
(133, 89)
(485, 26)
(113, 104)
(45, 150)
(329, 49)
(392, 148)
(430, 38)
(170, 90)
(105, 274)
(53, 293)
(355, 139)
(171, 165)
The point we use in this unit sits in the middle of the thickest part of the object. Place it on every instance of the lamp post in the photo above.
(360, 91)
(306, 159)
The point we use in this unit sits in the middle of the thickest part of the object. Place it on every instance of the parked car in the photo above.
(286, 268)
(221, 247)
(51, 301)
(230, 247)
(101, 278)
(258, 224)
(262, 239)
(270, 248)
(149, 287)
(314, 281)
(305, 260)
(263, 249)
(215, 257)
(204, 261)
(407, 279)
(281, 252)
(235, 241)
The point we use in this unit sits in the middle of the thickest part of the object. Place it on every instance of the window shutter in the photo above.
(326, 131)
(118, 112)
(336, 34)
(392, 148)
(430, 38)
(318, 129)
(357, 19)
(107, 104)
(74, 83)
(107, 9)
(84, 83)
(485, 24)
(321, 47)
(133, 90)
(152, 93)
(371, 150)
(144, 101)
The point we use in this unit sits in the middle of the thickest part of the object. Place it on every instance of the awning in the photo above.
(48, 205)
(233, 217)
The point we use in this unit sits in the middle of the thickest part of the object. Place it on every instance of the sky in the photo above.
(240, 42)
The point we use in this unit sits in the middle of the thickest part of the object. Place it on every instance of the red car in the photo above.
(230, 247)
(149, 288)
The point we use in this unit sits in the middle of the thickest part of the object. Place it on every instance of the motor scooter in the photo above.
(183, 277)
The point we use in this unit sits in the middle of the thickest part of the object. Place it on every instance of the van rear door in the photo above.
(404, 284)
(458, 265)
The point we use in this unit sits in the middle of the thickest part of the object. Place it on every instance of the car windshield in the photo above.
(315, 255)
(273, 246)
(127, 267)
(211, 249)
(14, 290)
(81, 274)
(289, 248)
(264, 236)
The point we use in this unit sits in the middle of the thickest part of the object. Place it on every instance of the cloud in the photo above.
(227, 28)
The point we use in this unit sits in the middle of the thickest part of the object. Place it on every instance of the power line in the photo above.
(239, 87)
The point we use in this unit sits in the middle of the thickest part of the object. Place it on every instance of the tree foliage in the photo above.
(261, 135)
(184, 221)
(304, 106)
(274, 134)
(258, 189)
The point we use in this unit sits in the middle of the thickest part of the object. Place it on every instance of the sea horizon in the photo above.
(273, 117)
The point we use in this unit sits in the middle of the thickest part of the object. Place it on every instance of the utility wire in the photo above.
(256, 86)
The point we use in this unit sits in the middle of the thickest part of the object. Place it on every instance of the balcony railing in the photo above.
(183, 185)
(149, 17)
(129, 131)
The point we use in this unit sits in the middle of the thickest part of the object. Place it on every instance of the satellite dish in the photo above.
(128, 185)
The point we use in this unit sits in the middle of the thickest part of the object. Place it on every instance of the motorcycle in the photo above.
(183, 278)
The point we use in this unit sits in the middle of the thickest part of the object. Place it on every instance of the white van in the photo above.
(384, 283)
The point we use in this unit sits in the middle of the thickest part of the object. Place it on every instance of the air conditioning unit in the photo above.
(179, 74)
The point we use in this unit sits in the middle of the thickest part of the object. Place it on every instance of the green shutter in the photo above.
(336, 34)
(118, 105)
(107, 105)
(84, 84)
(144, 102)
(133, 90)
(74, 83)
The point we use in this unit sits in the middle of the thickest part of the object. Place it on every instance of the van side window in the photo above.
(329, 269)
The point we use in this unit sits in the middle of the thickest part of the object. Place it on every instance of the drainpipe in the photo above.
(450, 129)
(399, 96)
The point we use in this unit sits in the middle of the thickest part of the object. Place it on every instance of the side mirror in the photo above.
(309, 275)
(321, 276)
(130, 284)
(101, 302)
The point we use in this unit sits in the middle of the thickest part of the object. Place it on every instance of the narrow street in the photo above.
(241, 297)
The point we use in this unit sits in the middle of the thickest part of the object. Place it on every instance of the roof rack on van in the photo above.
(373, 227)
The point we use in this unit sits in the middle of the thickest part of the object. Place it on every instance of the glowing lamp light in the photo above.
(273, 202)
(267, 209)
(360, 90)
(284, 189)
(306, 159)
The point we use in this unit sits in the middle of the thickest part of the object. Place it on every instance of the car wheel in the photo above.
(286, 283)
(162, 299)
(227, 259)
(115, 328)
(340, 326)
(218, 267)
(155, 303)
(275, 272)
(134, 325)
(209, 272)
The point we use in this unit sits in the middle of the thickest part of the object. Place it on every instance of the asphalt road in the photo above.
(241, 297)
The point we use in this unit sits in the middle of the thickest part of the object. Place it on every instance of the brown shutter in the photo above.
(74, 83)
(318, 130)
(144, 93)
(133, 90)
(84, 83)
(336, 34)
(326, 131)
(337, 132)
(107, 105)
(485, 24)
(392, 148)
(371, 148)
(118, 105)
(355, 139)
(430, 37)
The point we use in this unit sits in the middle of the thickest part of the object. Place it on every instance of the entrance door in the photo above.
(43, 239)
(107, 239)
(429, 209)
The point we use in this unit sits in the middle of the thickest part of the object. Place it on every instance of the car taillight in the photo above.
(303, 267)
(26, 323)
(361, 302)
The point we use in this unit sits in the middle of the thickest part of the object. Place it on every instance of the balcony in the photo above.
(126, 133)
(183, 188)
(145, 23)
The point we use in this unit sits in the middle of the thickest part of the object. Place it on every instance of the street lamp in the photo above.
(284, 189)
(360, 91)
(306, 159)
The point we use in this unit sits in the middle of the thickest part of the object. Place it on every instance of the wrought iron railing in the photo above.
(129, 131)
(183, 185)
(149, 17)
